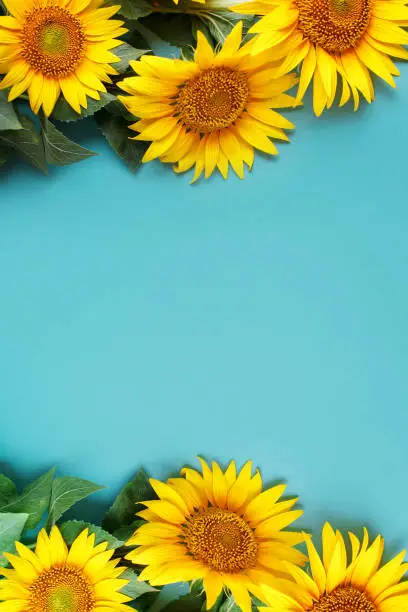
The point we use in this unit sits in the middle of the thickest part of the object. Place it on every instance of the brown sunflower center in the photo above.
(335, 25)
(61, 589)
(344, 599)
(213, 100)
(221, 540)
(53, 41)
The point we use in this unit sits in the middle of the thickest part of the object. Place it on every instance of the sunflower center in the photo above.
(53, 41)
(213, 100)
(344, 599)
(221, 540)
(61, 589)
(335, 25)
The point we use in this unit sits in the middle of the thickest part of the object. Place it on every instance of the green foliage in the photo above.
(65, 493)
(186, 603)
(64, 112)
(27, 142)
(135, 587)
(124, 508)
(127, 53)
(8, 489)
(229, 605)
(60, 150)
(11, 528)
(134, 9)
(117, 133)
(8, 116)
(33, 501)
(71, 530)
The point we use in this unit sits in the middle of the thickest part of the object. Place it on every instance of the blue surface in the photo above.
(143, 320)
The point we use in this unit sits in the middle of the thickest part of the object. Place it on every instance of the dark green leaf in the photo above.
(173, 29)
(11, 528)
(126, 531)
(8, 489)
(123, 510)
(127, 53)
(8, 117)
(135, 588)
(71, 530)
(134, 9)
(118, 109)
(33, 501)
(60, 150)
(27, 142)
(187, 603)
(67, 491)
(117, 133)
(220, 23)
(3, 157)
(64, 112)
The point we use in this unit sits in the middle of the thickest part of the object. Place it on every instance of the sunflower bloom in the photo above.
(53, 46)
(210, 112)
(340, 584)
(219, 527)
(54, 578)
(332, 41)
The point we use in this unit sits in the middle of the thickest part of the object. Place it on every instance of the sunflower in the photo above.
(210, 112)
(53, 46)
(339, 584)
(55, 579)
(333, 40)
(219, 527)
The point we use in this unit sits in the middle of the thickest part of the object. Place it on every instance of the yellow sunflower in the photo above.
(220, 527)
(210, 112)
(54, 578)
(333, 40)
(53, 46)
(339, 583)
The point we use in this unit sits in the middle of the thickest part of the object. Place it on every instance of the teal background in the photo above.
(143, 320)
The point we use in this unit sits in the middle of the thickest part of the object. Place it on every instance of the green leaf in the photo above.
(229, 606)
(135, 587)
(126, 531)
(220, 23)
(123, 510)
(8, 489)
(64, 112)
(60, 150)
(135, 9)
(8, 117)
(27, 142)
(117, 133)
(66, 492)
(11, 528)
(127, 53)
(186, 603)
(33, 500)
(173, 29)
(3, 157)
(71, 529)
(118, 109)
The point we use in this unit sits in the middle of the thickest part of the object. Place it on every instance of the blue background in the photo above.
(143, 320)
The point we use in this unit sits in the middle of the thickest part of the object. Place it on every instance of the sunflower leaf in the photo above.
(230, 606)
(64, 112)
(3, 157)
(26, 141)
(173, 29)
(8, 489)
(123, 510)
(71, 529)
(127, 53)
(134, 9)
(8, 116)
(117, 133)
(65, 493)
(186, 603)
(33, 501)
(135, 587)
(220, 23)
(11, 527)
(60, 150)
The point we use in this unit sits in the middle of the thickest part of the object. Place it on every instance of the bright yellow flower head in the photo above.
(341, 584)
(54, 578)
(210, 112)
(218, 527)
(333, 40)
(53, 46)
